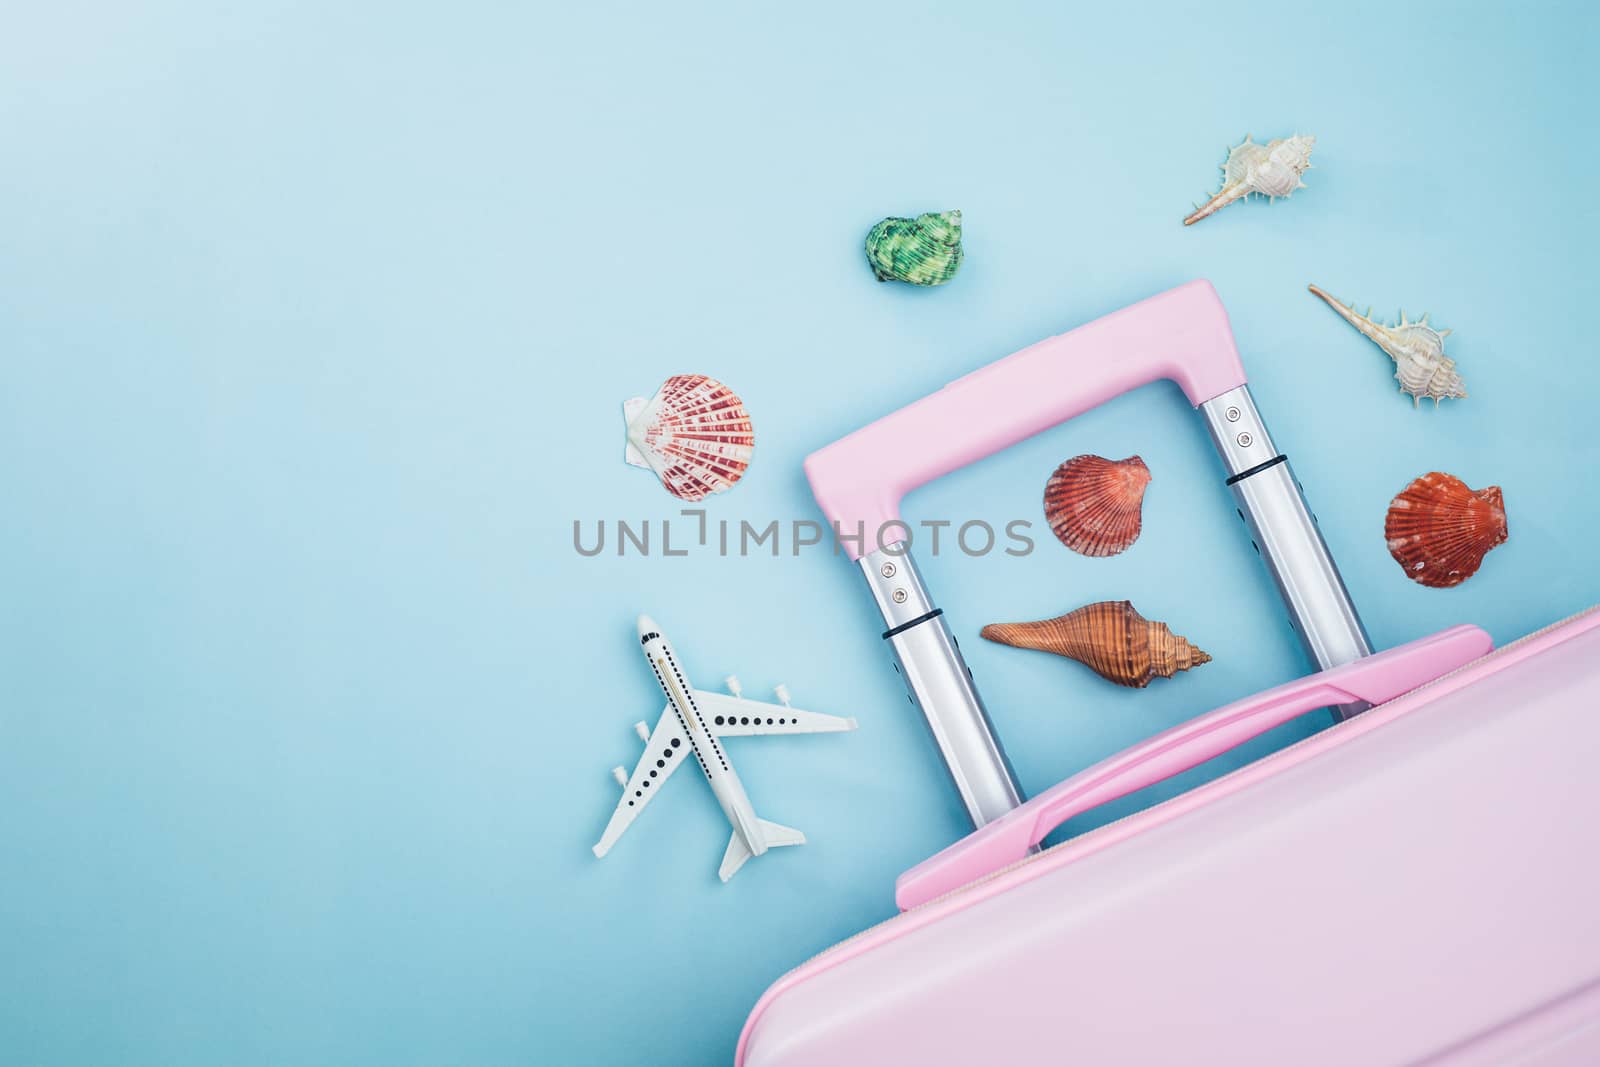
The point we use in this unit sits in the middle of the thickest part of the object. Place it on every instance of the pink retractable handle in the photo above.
(1182, 334)
(1009, 838)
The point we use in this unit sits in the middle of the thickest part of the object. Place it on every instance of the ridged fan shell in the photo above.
(1110, 638)
(1093, 504)
(694, 433)
(1439, 529)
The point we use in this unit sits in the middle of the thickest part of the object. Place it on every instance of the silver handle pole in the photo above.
(1285, 532)
(940, 685)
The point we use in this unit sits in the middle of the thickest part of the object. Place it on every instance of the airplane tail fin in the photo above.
(734, 858)
(781, 835)
(738, 852)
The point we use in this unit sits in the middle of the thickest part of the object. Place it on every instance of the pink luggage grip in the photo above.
(1006, 840)
(1182, 334)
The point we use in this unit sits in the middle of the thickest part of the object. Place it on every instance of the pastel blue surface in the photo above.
(314, 327)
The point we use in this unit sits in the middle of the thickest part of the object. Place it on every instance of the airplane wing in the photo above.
(666, 749)
(731, 716)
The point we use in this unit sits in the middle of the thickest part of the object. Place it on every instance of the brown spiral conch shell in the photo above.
(1439, 530)
(1093, 503)
(1110, 638)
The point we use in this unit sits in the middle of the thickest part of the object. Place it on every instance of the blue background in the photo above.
(314, 327)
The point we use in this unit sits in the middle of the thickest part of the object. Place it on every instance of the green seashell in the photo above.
(925, 250)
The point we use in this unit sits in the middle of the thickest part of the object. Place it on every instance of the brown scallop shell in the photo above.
(1093, 503)
(1439, 530)
(1110, 638)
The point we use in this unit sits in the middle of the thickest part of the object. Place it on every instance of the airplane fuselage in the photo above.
(708, 751)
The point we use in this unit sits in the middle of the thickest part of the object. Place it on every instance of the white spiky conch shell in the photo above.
(1420, 365)
(1271, 170)
(694, 433)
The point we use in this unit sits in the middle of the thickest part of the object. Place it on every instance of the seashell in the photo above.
(925, 250)
(1272, 169)
(1439, 530)
(694, 433)
(1111, 638)
(1092, 503)
(1421, 367)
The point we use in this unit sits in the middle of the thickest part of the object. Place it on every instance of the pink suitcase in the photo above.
(1416, 884)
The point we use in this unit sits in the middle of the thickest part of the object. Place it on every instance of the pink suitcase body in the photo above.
(1415, 885)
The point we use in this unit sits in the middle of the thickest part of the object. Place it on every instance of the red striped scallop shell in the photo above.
(1093, 504)
(694, 433)
(1439, 530)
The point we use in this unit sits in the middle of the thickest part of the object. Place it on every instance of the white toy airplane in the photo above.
(688, 729)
